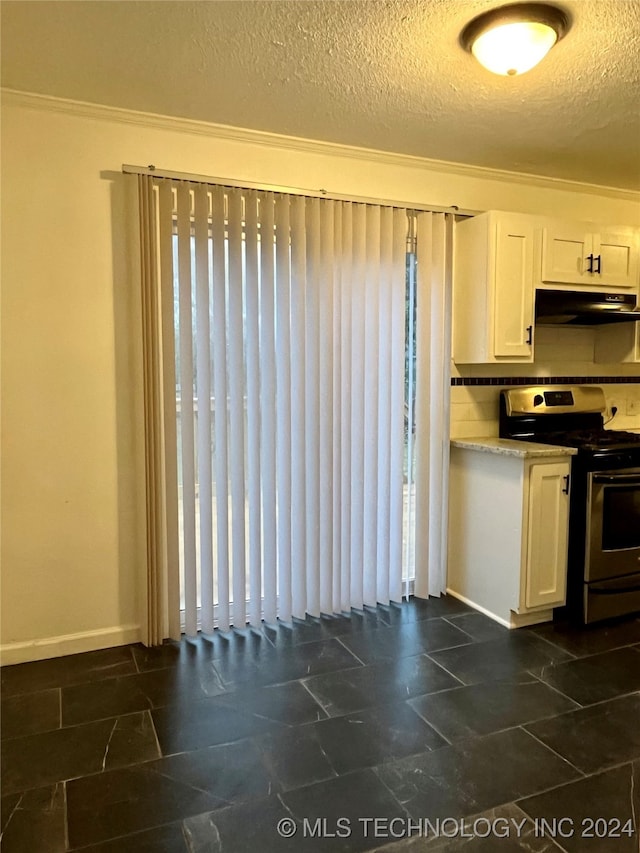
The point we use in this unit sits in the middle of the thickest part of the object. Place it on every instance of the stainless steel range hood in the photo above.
(564, 307)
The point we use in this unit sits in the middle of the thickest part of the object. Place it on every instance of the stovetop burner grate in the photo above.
(596, 438)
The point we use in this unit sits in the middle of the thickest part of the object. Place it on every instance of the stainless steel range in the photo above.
(604, 518)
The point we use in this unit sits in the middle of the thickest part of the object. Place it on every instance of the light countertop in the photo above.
(511, 447)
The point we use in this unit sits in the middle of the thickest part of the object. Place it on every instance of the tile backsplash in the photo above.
(563, 353)
(474, 409)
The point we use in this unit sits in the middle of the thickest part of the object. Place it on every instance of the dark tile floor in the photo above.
(421, 716)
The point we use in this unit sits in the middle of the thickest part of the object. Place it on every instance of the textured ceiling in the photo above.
(384, 74)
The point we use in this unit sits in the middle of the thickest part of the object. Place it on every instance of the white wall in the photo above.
(73, 478)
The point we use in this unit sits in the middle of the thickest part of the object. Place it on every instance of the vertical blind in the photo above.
(283, 365)
(434, 257)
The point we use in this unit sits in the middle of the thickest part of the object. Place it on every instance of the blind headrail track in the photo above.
(279, 188)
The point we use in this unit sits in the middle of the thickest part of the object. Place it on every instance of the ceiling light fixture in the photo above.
(513, 39)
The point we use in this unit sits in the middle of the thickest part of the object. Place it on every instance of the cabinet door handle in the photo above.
(529, 331)
(567, 480)
(599, 260)
(590, 259)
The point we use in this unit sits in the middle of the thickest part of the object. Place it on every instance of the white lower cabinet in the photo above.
(508, 525)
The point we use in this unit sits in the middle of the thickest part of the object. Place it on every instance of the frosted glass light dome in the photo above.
(510, 40)
(514, 48)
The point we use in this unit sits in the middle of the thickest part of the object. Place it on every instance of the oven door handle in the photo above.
(633, 479)
(593, 590)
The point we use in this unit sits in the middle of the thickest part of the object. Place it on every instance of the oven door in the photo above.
(613, 524)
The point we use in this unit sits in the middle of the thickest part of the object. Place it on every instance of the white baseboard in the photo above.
(517, 620)
(478, 607)
(68, 644)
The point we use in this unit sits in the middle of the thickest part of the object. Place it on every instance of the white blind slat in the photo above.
(220, 405)
(409, 506)
(151, 366)
(165, 240)
(439, 383)
(433, 283)
(298, 411)
(327, 556)
(358, 297)
(283, 404)
(236, 379)
(312, 432)
(384, 406)
(440, 584)
(423, 358)
(396, 475)
(203, 395)
(190, 560)
(344, 411)
(252, 337)
(268, 406)
(370, 420)
(339, 543)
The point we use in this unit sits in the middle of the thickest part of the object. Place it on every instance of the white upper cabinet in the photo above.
(513, 288)
(616, 258)
(493, 289)
(582, 254)
(564, 252)
(500, 260)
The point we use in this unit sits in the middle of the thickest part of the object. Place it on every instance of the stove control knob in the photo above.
(538, 400)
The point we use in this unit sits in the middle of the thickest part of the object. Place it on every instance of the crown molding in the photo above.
(102, 112)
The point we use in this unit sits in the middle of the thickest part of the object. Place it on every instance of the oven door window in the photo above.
(621, 517)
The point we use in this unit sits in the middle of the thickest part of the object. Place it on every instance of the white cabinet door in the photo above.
(546, 558)
(578, 254)
(493, 294)
(615, 259)
(513, 302)
(565, 253)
